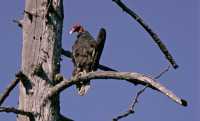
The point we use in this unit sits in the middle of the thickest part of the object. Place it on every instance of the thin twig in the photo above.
(162, 72)
(135, 101)
(132, 106)
(155, 37)
(68, 54)
(17, 111)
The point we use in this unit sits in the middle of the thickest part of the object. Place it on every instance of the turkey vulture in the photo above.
(86, 53)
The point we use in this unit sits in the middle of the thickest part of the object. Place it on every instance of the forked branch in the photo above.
(132, 77)
(155, 37)
(132, 106)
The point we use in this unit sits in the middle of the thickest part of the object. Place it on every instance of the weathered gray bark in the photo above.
(42, 31)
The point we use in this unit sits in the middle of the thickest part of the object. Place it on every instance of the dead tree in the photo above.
(42, 31)
(40, 82)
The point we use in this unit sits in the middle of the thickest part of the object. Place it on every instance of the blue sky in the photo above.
(128, 48)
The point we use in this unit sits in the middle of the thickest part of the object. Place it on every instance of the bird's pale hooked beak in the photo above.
(71, 31)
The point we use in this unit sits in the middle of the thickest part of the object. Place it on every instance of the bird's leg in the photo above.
(86, 86)
(77, 72)
(93, 53)
(84, 72)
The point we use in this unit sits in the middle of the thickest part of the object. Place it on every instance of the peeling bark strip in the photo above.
(132, 77)
(41, 51)
(155, 37)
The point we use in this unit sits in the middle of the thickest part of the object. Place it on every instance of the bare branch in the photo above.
(7, 91)
(132, 77)
(68, 54)
(17, 111)
(105, 68)
(155, 37)
(11, 86)
(162, 72)
(135, 101)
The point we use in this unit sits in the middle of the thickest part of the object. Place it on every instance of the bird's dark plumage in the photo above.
(86, 53)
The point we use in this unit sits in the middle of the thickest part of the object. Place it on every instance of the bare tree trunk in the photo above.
(42, 32)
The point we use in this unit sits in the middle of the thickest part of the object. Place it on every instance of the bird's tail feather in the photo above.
(83, 88)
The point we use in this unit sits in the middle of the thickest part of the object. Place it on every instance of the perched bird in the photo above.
(86, 53)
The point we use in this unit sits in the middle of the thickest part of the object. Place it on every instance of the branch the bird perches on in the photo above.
(131, 77)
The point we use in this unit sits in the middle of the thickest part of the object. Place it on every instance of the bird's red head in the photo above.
(76, 28)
